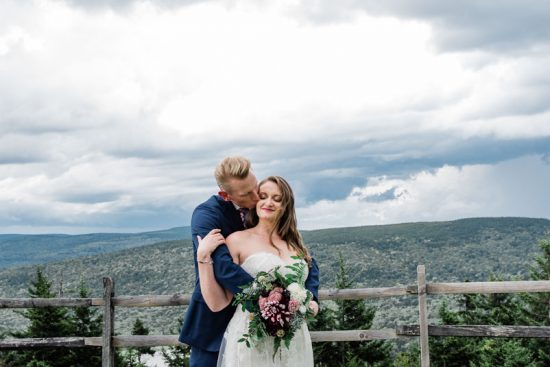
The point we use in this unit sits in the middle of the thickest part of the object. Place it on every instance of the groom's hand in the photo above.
(208, 244)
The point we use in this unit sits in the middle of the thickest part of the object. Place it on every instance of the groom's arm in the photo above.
(312, 281)
(228, 274)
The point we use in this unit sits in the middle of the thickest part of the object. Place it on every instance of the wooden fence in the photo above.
(108, 302)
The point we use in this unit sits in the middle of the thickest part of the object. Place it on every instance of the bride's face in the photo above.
(270, 205)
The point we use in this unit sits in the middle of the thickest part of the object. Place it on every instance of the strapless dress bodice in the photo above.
(264, 261)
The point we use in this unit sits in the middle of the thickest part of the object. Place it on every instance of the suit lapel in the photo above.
(232, 216)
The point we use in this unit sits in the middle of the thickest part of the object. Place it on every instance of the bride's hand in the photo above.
(208, 244)
(314, 306)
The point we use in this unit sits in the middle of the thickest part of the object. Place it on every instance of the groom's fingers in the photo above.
(214, 231)
(214, 234)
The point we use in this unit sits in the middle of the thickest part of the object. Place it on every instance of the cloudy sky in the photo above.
(113, 114)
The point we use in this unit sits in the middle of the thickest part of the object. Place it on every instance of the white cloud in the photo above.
(107, 114)
(517, 187)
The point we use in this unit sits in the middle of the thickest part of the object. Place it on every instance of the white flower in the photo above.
(302, 309)
(297, 292)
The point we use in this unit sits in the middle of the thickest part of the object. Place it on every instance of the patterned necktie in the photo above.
(243, 212)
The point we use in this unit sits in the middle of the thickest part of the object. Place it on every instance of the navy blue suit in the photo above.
(203, 329)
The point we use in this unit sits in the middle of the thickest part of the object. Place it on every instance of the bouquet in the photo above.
(278, 304)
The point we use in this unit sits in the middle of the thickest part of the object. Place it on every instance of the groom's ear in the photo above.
(223, 194)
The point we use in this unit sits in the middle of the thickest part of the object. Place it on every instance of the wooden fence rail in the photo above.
(109, 302)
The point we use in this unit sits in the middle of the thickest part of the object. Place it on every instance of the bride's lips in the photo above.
(267, 210)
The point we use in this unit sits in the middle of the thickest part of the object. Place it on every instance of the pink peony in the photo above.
(262, 301)
(293, 305)
(277, 289)
(274, 297)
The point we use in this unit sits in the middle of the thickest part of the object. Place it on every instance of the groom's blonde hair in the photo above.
(231, 167)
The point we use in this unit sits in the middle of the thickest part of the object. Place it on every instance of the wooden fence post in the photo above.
(108, 351)
(423, 317)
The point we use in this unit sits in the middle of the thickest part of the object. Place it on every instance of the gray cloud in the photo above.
(510, 188)
(507, 25)
(96, 135)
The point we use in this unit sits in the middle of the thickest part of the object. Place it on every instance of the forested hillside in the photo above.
(470, 249)
(20, 249)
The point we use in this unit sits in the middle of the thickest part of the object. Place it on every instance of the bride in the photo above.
(270, 243)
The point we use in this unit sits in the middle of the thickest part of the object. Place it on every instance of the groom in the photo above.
(203, 329)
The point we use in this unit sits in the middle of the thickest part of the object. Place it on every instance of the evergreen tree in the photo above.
(140, 329)
(350, 315)
(495, 309)
(131, 357)
(538, 304)
(408, 358)
(86, 322)
(325, 320)
(45, 322)
(177, 356)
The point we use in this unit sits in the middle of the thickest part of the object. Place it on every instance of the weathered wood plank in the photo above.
(108, 350)
(504, 331)
(352, 335)
(316, 336)
(145, 340)
(72, 342)
(365, 293)
(94, 341)
(152, 300)
(423, 317)
(324, 294)
(519, 286)
(44, 302)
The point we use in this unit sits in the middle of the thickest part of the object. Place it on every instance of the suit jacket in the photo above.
(203, 328)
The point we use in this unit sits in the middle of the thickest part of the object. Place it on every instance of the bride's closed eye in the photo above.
(276, 198)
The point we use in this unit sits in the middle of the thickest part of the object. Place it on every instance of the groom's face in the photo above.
(243, 192)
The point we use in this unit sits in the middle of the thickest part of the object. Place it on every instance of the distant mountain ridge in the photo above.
(378, 256)
(21, 249)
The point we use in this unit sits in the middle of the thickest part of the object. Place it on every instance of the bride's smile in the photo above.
(270, 204)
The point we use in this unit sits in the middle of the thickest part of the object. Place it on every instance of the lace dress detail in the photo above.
(235, 354)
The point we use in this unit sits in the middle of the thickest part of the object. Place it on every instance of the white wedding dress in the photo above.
(235, 354)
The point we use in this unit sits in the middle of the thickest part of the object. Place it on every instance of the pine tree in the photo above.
(325, 320)
(350, 315)
(131, 357)
(496, 309)
(356, 315)
(140, 329)
(538, 304)
(44, 322)
(86, 322)
(177, 356)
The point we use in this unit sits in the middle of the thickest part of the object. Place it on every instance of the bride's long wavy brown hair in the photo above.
(286, 224)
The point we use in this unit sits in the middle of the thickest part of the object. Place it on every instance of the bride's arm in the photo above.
(214, 295)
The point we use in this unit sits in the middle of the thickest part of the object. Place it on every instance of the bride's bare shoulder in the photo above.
(237, 238)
